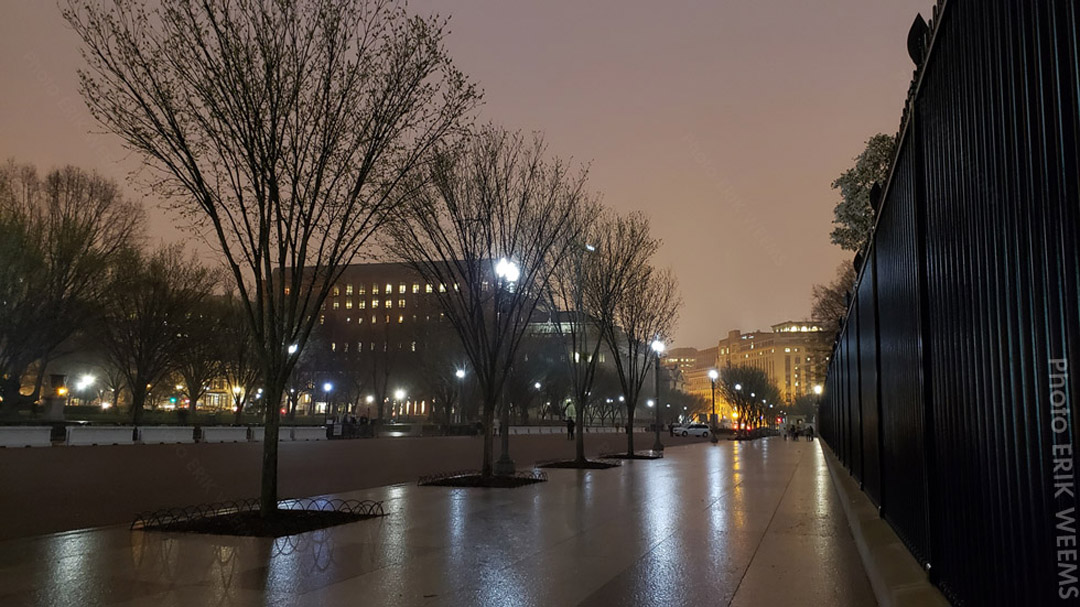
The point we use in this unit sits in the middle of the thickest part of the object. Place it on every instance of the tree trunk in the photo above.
(138, 399)
(630, 430)
(268, 497)
(487, 468)
(579, 456)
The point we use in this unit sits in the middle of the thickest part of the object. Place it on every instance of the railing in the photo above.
(948, 394)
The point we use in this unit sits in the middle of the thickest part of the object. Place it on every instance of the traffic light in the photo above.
(172, 399)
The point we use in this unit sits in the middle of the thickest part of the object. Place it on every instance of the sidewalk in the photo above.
(754, 523)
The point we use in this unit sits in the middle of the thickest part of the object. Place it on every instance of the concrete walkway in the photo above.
(55, 489)
(754, 523)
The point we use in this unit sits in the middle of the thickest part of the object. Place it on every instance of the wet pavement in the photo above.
(67, 488)
(753, 523)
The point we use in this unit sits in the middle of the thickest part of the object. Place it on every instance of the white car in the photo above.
(695, 429)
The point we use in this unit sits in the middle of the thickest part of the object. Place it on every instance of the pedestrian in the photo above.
(810, 433)
(479, 428)
(671, 429)
(570, 428)
(784, 433)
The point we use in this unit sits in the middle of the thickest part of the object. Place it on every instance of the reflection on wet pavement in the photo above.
(750, 523)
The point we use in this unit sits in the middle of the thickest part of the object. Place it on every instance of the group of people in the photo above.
(794, 432)
(351, 426)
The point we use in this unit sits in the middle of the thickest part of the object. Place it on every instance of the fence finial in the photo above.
(916, 40)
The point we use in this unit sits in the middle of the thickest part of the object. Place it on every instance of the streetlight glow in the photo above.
(658, 347)
(713, 374)
(370, 399)
(738, 386)
(818, 389)
(507, 270)
(292, 349)
(537, 385)
(399, 394)
(460, 373)
(327, 387)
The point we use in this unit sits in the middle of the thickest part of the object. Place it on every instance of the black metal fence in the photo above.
(949, 394)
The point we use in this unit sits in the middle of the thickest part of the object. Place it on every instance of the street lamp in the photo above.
(509, 272)
(327, 388)
(818, 389)
(658, 348)
(713, 376)
(460, 374)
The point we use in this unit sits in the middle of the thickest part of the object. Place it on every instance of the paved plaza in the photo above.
(751, 523)
(67, 488)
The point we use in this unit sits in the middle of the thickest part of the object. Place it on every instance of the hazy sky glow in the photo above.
(724, 120)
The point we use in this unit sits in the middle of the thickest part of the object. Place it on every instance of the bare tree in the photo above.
(151, 297)
(201, 349)
(58, 236)
(648, 311)
(240, 363)
(489, 229)
(436, 366)
(282, 129)
(749, 391)
(590, 288)
(829, 302)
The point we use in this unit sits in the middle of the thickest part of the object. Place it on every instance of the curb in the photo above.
(895, 575)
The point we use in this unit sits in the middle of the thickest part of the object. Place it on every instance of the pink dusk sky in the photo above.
(725, 121)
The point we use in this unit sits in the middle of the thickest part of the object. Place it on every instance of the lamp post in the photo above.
(508, 273)
(460, 374)
(658, 348)
(713, 376)
(738, 399)
(326, 388)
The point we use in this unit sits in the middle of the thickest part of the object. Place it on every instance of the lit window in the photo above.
(387, 319)
(442, 288)
(372, 346)
(415, 288)
(401, 303)
(389, 288)
(427, 289)
(400, 319)
(348, 289)
(348, 304)
(337, 291)
(456, 289)
(345, 347)
(387, 303)
(322, 319)
(401, 287)
(374, 303)
(359, 346)
(375, 289)
(362, 304)
(373, 319)
(288, 290)
(337, 304)
(414, 346)
(333, 347)
(348, 319)
(361, 289)
(787, 349)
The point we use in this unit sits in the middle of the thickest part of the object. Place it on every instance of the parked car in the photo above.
(694, 429)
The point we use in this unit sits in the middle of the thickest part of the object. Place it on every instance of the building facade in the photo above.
(794, 355)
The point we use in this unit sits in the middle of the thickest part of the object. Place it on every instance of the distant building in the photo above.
(794, 355)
